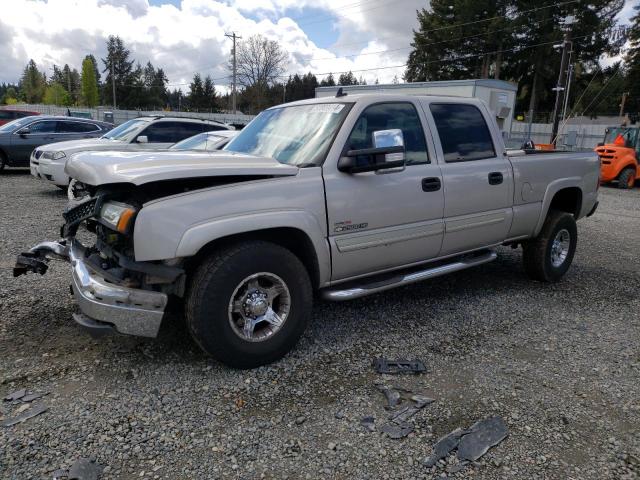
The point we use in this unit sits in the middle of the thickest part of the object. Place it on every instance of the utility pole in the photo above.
(234, 37)
(560, 87)
(566, 93)
(113, 85)
(624, 100)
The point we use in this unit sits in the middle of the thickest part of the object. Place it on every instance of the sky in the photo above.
(370, 37)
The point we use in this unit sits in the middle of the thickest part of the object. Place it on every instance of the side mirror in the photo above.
(142, 139)
(388, 152)
(24, 131)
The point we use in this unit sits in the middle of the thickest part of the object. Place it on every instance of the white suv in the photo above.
(142, 133)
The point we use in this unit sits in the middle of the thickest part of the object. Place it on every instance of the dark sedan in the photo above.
(19, 137)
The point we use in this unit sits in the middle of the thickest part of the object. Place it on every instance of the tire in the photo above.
(3, 161)
(540, 263)
(627, 179)
(224, 276)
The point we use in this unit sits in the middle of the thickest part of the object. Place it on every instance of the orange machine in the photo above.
(619, 154)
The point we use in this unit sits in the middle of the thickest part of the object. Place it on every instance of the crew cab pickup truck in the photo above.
(344, 196)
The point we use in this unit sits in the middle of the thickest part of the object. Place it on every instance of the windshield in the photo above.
(202, 141)
(297, 135)
(126, 131)
(21, 122)
(628, 135)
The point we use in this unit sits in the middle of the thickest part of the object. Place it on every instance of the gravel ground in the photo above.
(560, 363)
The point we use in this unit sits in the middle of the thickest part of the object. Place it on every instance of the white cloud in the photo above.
(191, 38)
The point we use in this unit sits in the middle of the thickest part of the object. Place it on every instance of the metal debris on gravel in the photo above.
(383, 365)
(398, 425)
(37, 410)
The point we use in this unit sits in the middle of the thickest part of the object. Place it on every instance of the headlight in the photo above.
(117, 215)
(53, 155)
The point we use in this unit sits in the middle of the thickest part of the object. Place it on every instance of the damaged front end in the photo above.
(113, 291)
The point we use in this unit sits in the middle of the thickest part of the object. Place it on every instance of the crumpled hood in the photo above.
(101, 168)
(72, 146)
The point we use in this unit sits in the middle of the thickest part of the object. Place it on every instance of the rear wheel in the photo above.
(248, 304)
(548, 256)
(627, 178)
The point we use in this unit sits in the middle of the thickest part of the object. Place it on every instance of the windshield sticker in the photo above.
(327, 108)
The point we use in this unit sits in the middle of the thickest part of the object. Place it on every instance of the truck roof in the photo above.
(376, 97)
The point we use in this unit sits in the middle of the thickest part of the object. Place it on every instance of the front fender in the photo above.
(198, 236)
(179, 226)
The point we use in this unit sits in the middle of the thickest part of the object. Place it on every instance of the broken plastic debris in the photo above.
(33, 396)
(84, 469)
(368, 423)
(18, 394)
(392, 395)
(472, 443)
(481, 437)
(37, 410)
(444, 446)
(382, 365)
(397, 430)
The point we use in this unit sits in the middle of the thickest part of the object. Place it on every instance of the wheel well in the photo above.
(567, 200)
(294, 240)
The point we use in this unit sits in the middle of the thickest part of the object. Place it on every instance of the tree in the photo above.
(196, 92)
(510, 39)
(121, 65)
(32, 83)
(328, 82)
(8, 94)
(259, 61)
(56, 94)
(208, 94)
(90, 94)
(632, 59)
(347, 79)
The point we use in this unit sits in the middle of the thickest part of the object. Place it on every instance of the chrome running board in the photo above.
(370, 286)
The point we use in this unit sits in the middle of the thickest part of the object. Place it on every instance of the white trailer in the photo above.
(498, 94)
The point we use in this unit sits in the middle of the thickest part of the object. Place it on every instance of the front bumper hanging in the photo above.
(104, 304)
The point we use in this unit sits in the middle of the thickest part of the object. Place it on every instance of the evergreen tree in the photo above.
(347, 79)
(121, 65)
(328, 82)
(196, 92)
(632, 59)
(90, 94)
(32, 83)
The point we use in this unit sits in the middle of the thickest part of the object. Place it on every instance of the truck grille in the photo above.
(87, 209)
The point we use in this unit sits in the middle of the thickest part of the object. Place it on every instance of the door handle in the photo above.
(495, 178)
(431, 184)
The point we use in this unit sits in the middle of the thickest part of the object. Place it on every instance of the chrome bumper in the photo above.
(131, 311)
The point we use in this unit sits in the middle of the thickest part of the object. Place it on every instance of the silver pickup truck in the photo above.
(344, 196)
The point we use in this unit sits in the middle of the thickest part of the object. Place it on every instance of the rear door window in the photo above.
(163, 132)
(189, 129)
(463, 131)
(66, 126)
(47, 126)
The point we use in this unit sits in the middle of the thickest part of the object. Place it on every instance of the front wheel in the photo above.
(627, 178)
(248, 304)
(548, 256)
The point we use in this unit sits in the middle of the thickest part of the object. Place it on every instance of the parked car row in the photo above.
(45, 143)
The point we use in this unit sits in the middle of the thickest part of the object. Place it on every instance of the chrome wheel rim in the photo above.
(560, 247)
(259, 307)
